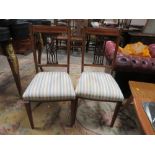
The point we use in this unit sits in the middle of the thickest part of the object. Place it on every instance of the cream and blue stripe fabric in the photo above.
(98, 86)
(50, 86)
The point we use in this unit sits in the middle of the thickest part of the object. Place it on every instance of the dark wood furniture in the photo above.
(106, 34)
(124, 23)
(76, 26)
(61, 41)
(146, 38)
(20, 32)
(143, 92)
(50, 34)
(23, 46)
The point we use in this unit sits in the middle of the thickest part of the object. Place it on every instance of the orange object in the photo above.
(138, 49)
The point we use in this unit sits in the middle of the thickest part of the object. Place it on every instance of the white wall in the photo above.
(138, 21)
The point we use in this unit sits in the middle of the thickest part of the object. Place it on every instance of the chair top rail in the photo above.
(102, 31)
(49, 29)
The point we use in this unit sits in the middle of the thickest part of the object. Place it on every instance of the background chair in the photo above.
(100, 86)
(92, 41)
(61, 40)
(49, 86)
(76, 26)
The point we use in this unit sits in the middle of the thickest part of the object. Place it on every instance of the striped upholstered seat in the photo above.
(98, 86)
(50, 86)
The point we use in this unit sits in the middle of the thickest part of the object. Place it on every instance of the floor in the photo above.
(53, 118)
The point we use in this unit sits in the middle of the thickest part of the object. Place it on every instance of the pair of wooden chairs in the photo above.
(57, 86)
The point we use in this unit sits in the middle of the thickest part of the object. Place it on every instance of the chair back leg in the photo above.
(74, 105)
(117, 108)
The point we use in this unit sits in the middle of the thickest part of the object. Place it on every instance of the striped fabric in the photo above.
(98, 86)
(50, 86)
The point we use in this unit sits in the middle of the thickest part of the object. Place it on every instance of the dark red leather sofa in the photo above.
(131, 63)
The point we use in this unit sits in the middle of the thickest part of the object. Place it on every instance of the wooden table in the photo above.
(143, 92)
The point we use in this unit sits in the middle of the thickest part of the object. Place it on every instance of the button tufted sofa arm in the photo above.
(131, 62)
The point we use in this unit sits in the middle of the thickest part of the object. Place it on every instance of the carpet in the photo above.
(96, 117)
(53, 118)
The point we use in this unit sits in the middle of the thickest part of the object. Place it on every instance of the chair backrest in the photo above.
(124, 23)
(45, 37)
(102, 35)
(76, 26)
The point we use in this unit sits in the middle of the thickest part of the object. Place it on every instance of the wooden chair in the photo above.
(61, 40)
(91, 39)
(124, 23)
(76, 26)
(50, 86)
(100, 86)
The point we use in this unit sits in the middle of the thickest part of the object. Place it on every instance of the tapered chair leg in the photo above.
(117, 108)
(73, 111)
(29, 113)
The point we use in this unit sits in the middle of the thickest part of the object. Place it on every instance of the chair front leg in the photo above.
(74, 105)
(29, 113)
(117, 108)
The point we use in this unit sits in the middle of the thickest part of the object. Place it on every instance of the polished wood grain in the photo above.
(143, 92)
(49, 29)
(103, 30)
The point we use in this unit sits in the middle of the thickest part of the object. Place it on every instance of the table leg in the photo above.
(14, 65)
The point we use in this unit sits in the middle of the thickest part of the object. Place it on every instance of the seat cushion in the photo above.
(50, 86)
(98, 86)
